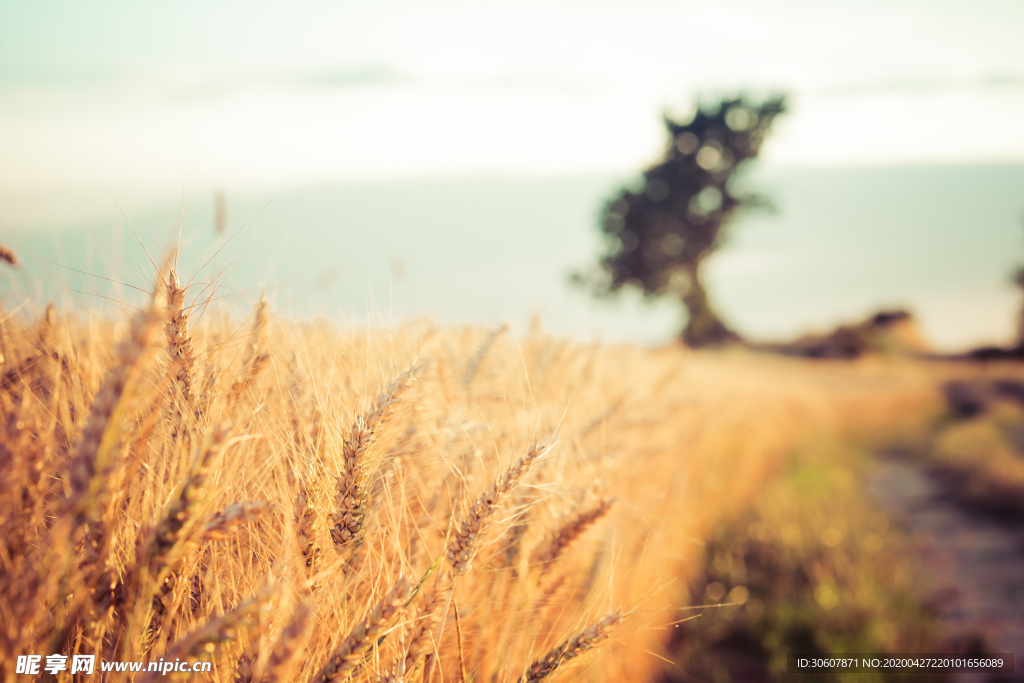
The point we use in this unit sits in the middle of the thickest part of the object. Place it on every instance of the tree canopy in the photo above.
(658, 235)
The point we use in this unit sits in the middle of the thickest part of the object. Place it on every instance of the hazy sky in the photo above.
(263, 100)
(258, 95)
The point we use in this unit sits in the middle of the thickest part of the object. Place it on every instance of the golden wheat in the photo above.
(591, 637)
(230, 519)
(289, 647)
(349, 654)
(351, 496)
(465, 545)
(179, 342)
(569, 531)
(219, 630)
(126, 541)
(255, 359)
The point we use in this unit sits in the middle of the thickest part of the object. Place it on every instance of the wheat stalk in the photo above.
(259, 322)
(230, 519)
(305, 529)
(514, 537)
(464, 545)
(179, 342)
(352, 496)
(44, 336)
(421, 638)
(589, 638)
(94, 457)
(176, 526)
(245, 670)
(254, 360)
(568, 532)
(290, 646)
(47, 324)
(350, 654)
(481, 353)
(217, 631)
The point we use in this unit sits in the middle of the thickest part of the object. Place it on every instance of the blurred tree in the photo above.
(1018, 279)
(658, 236)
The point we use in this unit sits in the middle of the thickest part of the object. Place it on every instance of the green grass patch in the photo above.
(811, 566)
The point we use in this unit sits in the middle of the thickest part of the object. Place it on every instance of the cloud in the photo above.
(530, 81)
(927, 85)
(193, 86)
(356, 77)
(366, 76)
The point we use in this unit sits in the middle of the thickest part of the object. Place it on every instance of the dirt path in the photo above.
(976, 562)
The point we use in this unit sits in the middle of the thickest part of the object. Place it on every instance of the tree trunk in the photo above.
(703, 326)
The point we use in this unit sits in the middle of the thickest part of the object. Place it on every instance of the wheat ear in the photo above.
(421, 638)
(305, 527)
(572, 529)
(464, 545)
(179, 341)
(8, 256)
(352, 496)
(97, 452)
(481, 353)
(47, 325)
(254, 361)
(290, 646)
(591, 637)
(216, 631)
(44, 337)
(514, 536)
(352, 651)
(230, 519)
(175, 528)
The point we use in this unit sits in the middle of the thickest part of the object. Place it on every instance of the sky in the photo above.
(107, 106)
(144, 95)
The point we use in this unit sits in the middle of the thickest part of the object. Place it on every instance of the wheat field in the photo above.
(305, 503)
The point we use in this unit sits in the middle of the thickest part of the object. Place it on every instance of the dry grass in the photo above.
(974, 445)
(286, 502)
(981, 459)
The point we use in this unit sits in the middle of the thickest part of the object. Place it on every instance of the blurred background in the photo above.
(392, 160)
